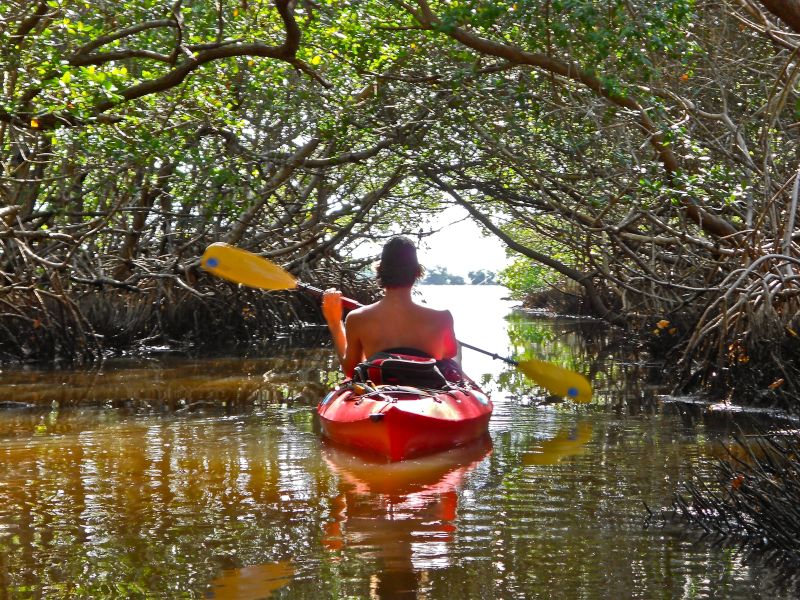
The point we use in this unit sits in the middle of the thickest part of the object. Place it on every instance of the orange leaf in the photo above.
(775, 384)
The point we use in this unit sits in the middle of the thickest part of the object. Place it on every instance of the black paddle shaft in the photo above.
(492, 354)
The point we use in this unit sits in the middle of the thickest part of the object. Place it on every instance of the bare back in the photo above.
(394, 322)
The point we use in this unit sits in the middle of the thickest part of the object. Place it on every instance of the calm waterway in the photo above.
(207, 478)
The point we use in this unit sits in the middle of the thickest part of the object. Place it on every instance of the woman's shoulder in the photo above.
(444, 312)
(442, 315)
(356, 314)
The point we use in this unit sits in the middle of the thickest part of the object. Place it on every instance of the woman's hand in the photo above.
(332, 305)
(332, 311)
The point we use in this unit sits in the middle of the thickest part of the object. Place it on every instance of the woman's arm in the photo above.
(354, 351)
(345, 336)
(449, 342)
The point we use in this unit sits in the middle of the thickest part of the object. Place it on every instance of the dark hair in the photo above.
(399, 266)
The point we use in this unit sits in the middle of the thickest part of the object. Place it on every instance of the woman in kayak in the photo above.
(395, 322)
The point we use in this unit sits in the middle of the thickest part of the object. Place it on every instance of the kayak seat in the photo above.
(401, 368)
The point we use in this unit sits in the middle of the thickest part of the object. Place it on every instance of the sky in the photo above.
(461, 247)
(458, 245)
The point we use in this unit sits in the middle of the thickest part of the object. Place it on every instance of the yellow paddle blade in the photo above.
(241, 266)
(558, 380)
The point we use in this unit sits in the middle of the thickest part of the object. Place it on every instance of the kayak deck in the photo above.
(400, 422)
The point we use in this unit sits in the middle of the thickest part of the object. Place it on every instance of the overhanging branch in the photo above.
(585, 280)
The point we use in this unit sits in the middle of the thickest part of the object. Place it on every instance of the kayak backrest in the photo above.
(399, 369)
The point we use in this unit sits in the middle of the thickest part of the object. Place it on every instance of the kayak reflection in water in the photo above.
(400, 516)
(395, 321)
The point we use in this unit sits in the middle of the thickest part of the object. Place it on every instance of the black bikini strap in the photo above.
(400, 350)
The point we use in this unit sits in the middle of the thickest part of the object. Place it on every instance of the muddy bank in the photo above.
(88, 323)
(747, 370)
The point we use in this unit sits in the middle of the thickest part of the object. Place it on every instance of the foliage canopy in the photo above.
(644, 150)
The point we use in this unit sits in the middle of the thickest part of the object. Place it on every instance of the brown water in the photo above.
(208, 478)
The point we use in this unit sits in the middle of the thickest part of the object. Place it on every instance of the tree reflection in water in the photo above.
(176, 478)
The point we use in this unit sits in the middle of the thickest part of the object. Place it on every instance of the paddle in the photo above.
(556, 380)
(241, 266)
(246, 268)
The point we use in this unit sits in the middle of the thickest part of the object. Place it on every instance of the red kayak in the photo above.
(403, 421)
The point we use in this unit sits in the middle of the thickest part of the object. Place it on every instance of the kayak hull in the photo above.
(399, 422)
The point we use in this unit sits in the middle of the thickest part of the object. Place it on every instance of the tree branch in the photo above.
(286, 52)
(584, 279)
(27, 25)
(273, 184)
(787, 11)
(710, 223)
(118, 35)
